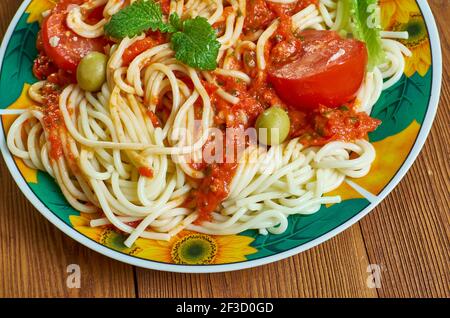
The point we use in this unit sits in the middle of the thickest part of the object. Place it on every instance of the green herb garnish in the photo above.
(366, 27)
(196, 44)
(193, 40)
(175, 22)
(141, 16)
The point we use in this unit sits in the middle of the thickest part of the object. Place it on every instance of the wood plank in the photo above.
(7, 10)
(336, 268)
(35, 254)
(409, 233)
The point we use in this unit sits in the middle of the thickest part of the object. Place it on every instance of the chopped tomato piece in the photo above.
(63, 46)
(329, 72)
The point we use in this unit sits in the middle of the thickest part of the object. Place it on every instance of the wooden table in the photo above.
(407, 235)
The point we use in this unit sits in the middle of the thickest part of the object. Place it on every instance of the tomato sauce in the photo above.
(290, 8)
(95, 15)
(140, 46)
(313, 127)
(154, 119)
(261, 13)
(210, 191)
(135, 49)
(254, 99)
(244, 113)
(213, 189)
(284, 46)
(43, 67)
(330, 124)
(259, 16)
(221, 24)
(53, 121)
(165, 6)
(145, 172)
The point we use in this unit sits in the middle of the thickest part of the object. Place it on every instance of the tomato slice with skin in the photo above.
(329, 72)
(63, 46)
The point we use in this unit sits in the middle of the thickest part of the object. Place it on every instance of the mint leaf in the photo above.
(193, 40)
(196, 44)
(173, 25)
(175, 22)
(366, 27)
(138, 17)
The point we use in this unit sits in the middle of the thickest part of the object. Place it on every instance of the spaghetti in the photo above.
(131, 151)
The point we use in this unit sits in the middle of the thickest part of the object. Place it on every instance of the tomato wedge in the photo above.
(63, 46)
(329, 72)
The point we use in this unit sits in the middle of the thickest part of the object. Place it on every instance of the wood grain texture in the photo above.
(336, 268)
(407, 235)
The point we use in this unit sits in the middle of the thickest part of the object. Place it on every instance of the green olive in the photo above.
(91, 72)
(273, 126)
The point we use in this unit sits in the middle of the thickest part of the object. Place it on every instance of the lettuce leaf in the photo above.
(366, 27)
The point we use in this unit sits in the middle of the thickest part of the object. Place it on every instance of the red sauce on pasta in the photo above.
(213, 189)
(330, 124)
(52, 120)
(145, 172)
(261, 13)
(140, 46)
(313, 127)
(290, 8)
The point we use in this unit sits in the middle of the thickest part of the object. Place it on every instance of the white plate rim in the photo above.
(148, 264)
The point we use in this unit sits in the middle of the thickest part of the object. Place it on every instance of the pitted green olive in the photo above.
(273, 126)
(91, 72)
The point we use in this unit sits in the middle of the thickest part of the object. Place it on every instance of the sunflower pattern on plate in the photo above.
(402, 109)
(37, 9)
(405, 15)
(186, 248)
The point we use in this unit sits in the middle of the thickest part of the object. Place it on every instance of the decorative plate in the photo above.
(407, 111)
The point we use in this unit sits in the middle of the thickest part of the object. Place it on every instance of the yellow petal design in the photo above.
(391, 153)
(396, 11)
(37, 7)
(105, 235)
(205, 249)
(233, 248)
(30, 175)
(22, 102)
(420, 61)
(346, 192)
(158, 251)
(81, 224)
(404, 15)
